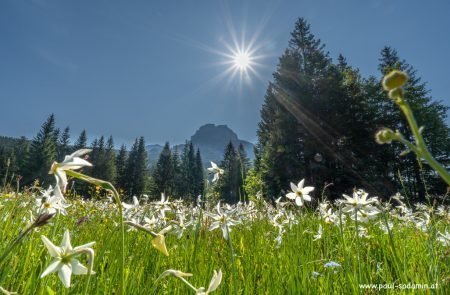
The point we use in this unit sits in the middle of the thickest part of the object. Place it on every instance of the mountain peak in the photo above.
(211, 139)
(214, 135)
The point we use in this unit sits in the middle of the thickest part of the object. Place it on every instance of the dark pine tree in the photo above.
(42, 154)
(64, 144)
(163, 175)
(131, 170)
(284, 150)
(110, 172)
(199, 178)
(141, 168)
(178, 176)
(121, 165)
(81, 142)
(230, 183)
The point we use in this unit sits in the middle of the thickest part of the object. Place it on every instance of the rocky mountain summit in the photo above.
(211, 139)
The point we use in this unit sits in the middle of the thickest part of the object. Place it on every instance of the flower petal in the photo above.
(79, 153)
(299, 202)
(215, 281)
(214, 225)
(159, 243)
(307, 190)
(61, 179)
(301, 183)
(78, 268)
(65, 244)
(225, 232)
(307, 198)
(88, 245)
(294, 187)
(54, 266)
(64, 274)
(54, 251)
(291, 196)
(76, 163)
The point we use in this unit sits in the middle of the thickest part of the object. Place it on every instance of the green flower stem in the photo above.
(108, 186)
(197, 234)
(358, 248)
(420, 147)
(90, 253)
(233, 265)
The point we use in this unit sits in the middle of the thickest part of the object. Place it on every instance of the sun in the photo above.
(242, 60)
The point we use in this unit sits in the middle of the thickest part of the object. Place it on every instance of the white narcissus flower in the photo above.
(222, 220)
(213, 285)
(133, 207)
(318, 236)
(71, 162)
(175, 273)
(216, 170)
(64, 259)
(444, 238)
(51, 205)
(360, 207)
(299, 193)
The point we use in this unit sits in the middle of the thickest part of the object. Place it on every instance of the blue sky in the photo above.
(156, 68)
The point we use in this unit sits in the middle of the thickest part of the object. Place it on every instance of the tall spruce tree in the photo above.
(245, 165)
(199, 178)
(137, 169)
(230, 184)
(64, 144)
(130, 170)
(42, 153)
(308, 118)
(141, 168)
(121, 166)
(284, 149)
(81, 142)
(110, 172)
(178, 175)
(164, 173)
(97, 158)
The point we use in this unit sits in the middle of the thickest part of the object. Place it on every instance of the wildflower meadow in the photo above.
(301, 243)
(343, 186)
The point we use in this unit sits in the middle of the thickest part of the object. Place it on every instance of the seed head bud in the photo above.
(396, 93)
(384, 135)
(43, 219)
(394, 79)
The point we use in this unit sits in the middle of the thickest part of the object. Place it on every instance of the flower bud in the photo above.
(159, 243)
(43, 219)
(394, 79)
(396, 93)
(384, 135)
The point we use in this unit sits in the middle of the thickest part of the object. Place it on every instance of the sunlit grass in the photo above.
(407, 256)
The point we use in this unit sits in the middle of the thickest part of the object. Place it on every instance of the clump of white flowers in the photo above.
(360, 207)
